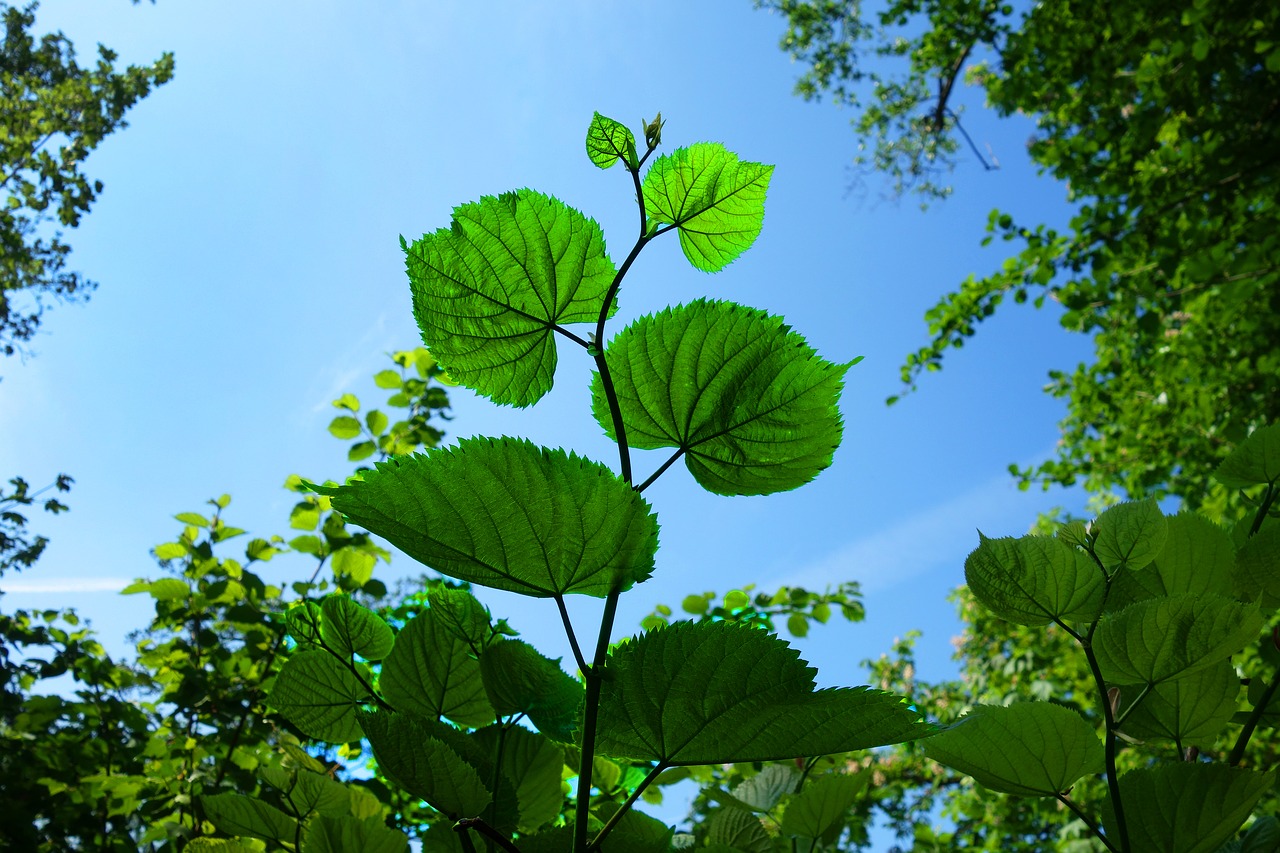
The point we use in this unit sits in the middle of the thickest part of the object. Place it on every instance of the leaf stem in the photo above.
(1113, 782)
(1142, 695)
(556, 327)
(1264, 506)
(656, 474)
(1076, 810)
(590, 716)
(626, 806)
(573, 639)
(1237, 751)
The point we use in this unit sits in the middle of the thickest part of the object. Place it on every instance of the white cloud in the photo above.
(64, 585)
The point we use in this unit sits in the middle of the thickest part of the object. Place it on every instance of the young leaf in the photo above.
(1034, 580)
(430, 672)
(319, 695)
(1190, 709)
(1255, 462)
(328, 834)
(461, 614)
(489, 291)
(236, 814)
(718, 692)
(1129, 535)
(534, 765)
(1033, 749)
(350, 627)
(424, 766)
(609, 141)
(715, 199)
(1197, 557)
(748, 402)
(507, 514)
(822, 804)
(520, 679)
(1163, 638)
(302, 621)
(1186, 807)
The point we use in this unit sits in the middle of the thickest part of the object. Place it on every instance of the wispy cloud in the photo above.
(63, 586)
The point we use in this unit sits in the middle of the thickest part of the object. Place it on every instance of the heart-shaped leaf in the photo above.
(1035, 580)
(430, 672)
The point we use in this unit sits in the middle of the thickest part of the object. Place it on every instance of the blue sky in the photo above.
(247, 249)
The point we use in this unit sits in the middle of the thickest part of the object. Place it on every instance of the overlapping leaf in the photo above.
(1033, 749)
(507, 514)
(534, 766)
(609, 141)
(1129, 535)
(715, 200)
(489, 291)
(1191, 709)
(319, 695)
(236, 814)
(1163, 638)
(1035, 580)
(431, 673)
(823, 803)
(763, 791)
(328, 834)
(424, 765)
(1258, 567)
(752, 406)
(350, 627)
(717, 692)
(461, 613)
(1255, 462)
(521, 680)
(1197, 557)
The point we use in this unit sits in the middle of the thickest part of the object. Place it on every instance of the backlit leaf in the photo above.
(534, 765)
(1129, 535)
(430, 672)
(328, 834)
(320, 696)
(461, 614)
(763, 790)
(1258, 567)
(520, 679)
(719, 692)
(344, 427)
(609, 141)
(1028, 748)
(1197, 557)
(424, 766)
(748, 402)
(236, 814)
(1190, 709)
(1034, 580)
(507, 514)
(739, 830)
(1254, 462)
(489, 291)
(823, 803)
(350, 627)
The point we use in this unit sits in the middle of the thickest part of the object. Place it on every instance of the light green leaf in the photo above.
(431, 673)
(1163, 638)
(164, 589)
(361, 451)
(1035, 580)
(739, 830)
(715, 199)
(349, 627)
(534, 766)
(1255, 462)
(1129, 535)
(763, 790)
(236, 814)
(302, 621)
(719, 692)
(387, 379)
(170, 551)
(1029, 748)
(320, 696)
(748, 402)
(823, 803)
(193, 518)
(305, 515)
(344, 427)
(354, 563)
(424, 766)
(1197, 557)
(520, 679)
(507, 514)
(328, 834)
(461, 614)
(223, 845)
(1186, 807)
(1190, 709)
(489, 291)
(609, 141)
(376, 421)
(1258, 567)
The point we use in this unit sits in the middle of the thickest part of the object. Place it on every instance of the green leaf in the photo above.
(461, 614)
(164, 589)
(328, 834)
(350, 627)
(221, 845)
(361, 451)
(1258, 567)
(797, 625)
(344, 427)
(1197, 557)
(720, 692)
(387, 379)
(715, 199)
(1028, 748)
(307, 793)
(739, 830)
(520, 679)
(1255, 462)
(1186, 807)
(354, 563)
(170, 551)
(1035, 580)
(822, 804)
(489, 291)
(636, 832)
(1129, 535)
(1163, 638)
(424, 766)
(193, 518)
(507, 514)
(1190, 709)
(431, 673)
(609, 141)
(763, 790)
(376, 421)
(748, 402)
(236, 814)
(320, 696)
(534, 766)
(305, 515)
(349, 402)
(302, 621)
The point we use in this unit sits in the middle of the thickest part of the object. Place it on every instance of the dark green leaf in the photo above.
(350, 627)
(1190, 709)
(1035, 580)
(424, 766)
(534, 765)
(328, 834)
(763, 790)
(306, 793)
(302, 621)
(740, 830)
(609, 141)
(1197, 557)
(1258, 567)
(1255, 462)
(461, 614)
(320, 696)
(822, 804)
(519, 679)
(236, 814)
(636, 832)
(431, 673)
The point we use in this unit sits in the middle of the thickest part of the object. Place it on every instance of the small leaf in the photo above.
(320, 696)
(715, 199)
(305, 515)
(354, 563)
(236, 814)
(461, 614)
(376, 421)
(349, 402)
(164, 589)
(302, 621)
(1129, 535)
(387, 379)
(424, 766)
(822, 804)
(520, 679)
(721, 692)
(431, 673)
(1190, 709)
(609, 141)
(344, 427)
(1028, 748)
(350, 627)
(361, 451)
(192, 518)
(1255, 462)
(1034, 580)
(171, 551)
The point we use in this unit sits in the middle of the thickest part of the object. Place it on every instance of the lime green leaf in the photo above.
(328, 834)
(193, 518)
(236, 814)
(763, 790)
(1129, 535)
(1191, 709)
(1197, 557)
(424, 766)
(461, 614)
(165, 589)
(350, 627)
(797, 625)
(361, 451)
(534, 765)
(354, 563)
(822, 804)
(302, 621)
(489, 291)
(320, 696)
(609, 141)
(349, 402)
(431, 673)
(387, 379)
(507, 514)
(170, 551)
(305, 515)
(1186, 807)
(1163, 638)
(720, 692)
(519, 679)
(715, 199)
(748, 402)
(695, 604)
(1035, 580)
(1254, 462)
(739, 830)
(1029, 748)
(1258, 567)
(376, 421)
(344, 427)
